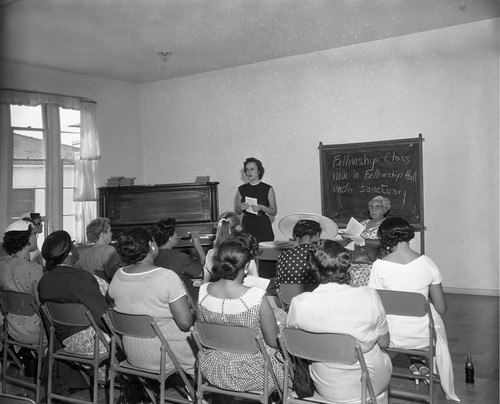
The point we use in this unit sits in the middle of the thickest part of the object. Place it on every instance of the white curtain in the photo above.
(86, 170)
(87, 163)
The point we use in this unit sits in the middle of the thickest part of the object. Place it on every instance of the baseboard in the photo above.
(467, 291)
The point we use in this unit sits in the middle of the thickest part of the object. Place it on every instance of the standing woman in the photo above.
(256, 219)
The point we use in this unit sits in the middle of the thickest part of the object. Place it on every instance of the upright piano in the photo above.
(194, 206)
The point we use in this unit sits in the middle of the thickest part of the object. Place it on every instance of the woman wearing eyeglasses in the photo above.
(364, 255)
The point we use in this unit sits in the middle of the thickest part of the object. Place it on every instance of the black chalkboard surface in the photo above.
(352, 174)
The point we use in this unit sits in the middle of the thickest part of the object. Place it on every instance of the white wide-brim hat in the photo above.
(18, 225)
(329, 229)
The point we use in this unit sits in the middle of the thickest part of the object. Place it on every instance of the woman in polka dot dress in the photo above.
(292, 265)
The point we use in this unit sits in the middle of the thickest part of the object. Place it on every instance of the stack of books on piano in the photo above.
(120, 181)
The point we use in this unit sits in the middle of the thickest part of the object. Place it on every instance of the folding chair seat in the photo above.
(144, 326)
(232, 339)
(74, 315)
(22, 304)
(10, 399)
(322, 347)
(414, 305)
(287, 291)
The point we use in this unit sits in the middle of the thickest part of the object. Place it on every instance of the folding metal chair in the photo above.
(232, 339)
(322, 347)
(22, 304)
(287, 291)
(414, 305)
(74, 315)
(10, 399)
(143, 326)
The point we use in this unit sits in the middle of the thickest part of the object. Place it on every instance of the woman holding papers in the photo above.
(366, 251)
(256, 200)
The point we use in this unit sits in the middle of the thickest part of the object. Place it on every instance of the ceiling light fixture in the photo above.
(164, 57)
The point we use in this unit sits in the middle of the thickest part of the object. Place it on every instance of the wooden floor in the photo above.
(472, 326)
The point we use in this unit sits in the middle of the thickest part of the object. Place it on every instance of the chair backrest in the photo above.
(133, 325)
(226, 337)
(287, 291)
(72, 314)
(10, 399)
(19, 303)
(320, 347)
(400, 303)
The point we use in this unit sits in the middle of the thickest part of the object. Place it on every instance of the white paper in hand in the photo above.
(250, 201)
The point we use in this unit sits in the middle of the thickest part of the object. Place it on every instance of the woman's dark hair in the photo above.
(260, 167)
(248, 240)
(394, 230)
(133, 245)
(231, 258)
(305, 227)
(330, 262)
(56, 248)
(163, 230)
(14, 241)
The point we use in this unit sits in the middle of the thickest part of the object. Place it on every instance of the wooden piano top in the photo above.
(193, 205)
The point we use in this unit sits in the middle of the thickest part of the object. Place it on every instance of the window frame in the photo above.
(54, 167)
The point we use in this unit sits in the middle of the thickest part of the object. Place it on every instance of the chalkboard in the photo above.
(352, 174)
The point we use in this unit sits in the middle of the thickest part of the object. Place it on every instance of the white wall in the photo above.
(443, 84)
(118, 112)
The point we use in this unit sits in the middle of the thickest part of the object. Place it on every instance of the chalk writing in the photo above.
(353, 174)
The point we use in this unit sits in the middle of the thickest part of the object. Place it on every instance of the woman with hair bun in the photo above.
(228, 301)
(406, 270)
(336, 307)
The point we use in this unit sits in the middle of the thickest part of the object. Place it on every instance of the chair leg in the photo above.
(49, 378)
(4, 369)
(38, 387)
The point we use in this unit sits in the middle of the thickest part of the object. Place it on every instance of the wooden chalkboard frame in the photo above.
(351, 174)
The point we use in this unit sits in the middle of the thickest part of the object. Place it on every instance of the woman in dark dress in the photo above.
(256, 219)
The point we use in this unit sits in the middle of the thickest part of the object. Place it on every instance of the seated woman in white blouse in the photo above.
(406, 270)
(336, 307)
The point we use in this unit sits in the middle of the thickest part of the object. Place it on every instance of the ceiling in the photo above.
(121, 39)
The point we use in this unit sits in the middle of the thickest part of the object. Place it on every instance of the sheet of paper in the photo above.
(251, 280)
(251, 201)
(353, 231)
(354, 228)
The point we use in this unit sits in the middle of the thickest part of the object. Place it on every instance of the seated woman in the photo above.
(64, 283)
(102, 259)
(187, 267)
(406, 270)
(142, 287)
(229, 224)
(336, 307)
(292, 265)
(227, 301)
(19, 274)
(368, 251)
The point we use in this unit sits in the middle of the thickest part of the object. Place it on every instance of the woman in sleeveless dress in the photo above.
(256, 219)
(228, 301)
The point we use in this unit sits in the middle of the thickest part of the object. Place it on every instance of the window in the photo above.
(49, 159)
(46, 138)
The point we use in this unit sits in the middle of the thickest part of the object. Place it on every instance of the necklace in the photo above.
(21, 258)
